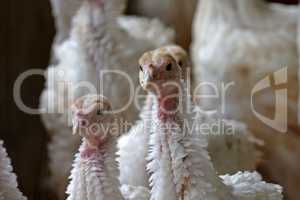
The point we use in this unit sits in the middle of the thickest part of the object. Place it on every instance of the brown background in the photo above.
(26, 34)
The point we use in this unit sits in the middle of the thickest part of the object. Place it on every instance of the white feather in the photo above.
(8, 180)
(250, 186)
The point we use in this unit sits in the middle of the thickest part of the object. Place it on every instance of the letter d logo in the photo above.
(279, 122)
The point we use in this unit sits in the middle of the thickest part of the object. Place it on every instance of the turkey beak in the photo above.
(146, 81)
(75, 123)
(75, 129)
(78, 121)
(147, 78)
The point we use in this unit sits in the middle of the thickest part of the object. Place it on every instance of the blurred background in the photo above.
(27, 33)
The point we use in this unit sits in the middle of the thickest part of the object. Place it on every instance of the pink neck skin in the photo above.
(93, 145)
(167, 105)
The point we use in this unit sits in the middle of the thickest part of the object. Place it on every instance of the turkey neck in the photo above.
(167, 108)
(178, 154)
(100, 162)
(161, 157)
(147, 108)
(96, 30)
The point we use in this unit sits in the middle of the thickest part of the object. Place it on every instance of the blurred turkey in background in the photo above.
(264, 40)
(244, 42)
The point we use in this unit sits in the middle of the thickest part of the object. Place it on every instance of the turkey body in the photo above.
(249, 48)
(175, 13)
(228, 138)
(182, 159)
(95, 171)
(63, 12)
(95, 176)
(178, 161)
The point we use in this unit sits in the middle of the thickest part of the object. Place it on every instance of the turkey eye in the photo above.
(141, 68)
(180, 63)
(99, 112)
(169, 67)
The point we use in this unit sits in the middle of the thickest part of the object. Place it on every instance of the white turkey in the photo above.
(175, 13)
(178, 161)
(237, 146)
(133, 146)
(63, 12)
(98, 43)
(8, 180)
(95, 170)
(250, 43)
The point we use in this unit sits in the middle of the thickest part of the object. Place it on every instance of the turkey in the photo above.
(8, 180)
(238, 148)
(176, 13)
(248, 48)
(178, 161)
(63, 11)
(133, 146)
(95, 170)
(99, 50)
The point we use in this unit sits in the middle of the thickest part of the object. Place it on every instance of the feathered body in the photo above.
(135, 192)
(63, 12)
(8, 180)
(133, 148)
(177, 14)
(244, 42)
(228, 139)
(232, 140)
(179, 156)
(95, 174)
(250, 186)
(235, 146)
(178, 162)
(242, 34)
(95, 171)
(101, 54)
